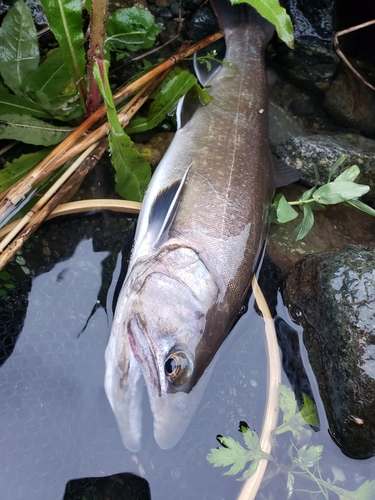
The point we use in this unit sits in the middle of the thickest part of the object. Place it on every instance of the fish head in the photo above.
(159, 331)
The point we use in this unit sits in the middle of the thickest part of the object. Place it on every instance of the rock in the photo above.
(313, 61)
(351, 103)
(323, 150)
(332, 297)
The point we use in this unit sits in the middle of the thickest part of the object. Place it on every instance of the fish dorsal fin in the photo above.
(164, 209)
(283, 173)
(187, 106)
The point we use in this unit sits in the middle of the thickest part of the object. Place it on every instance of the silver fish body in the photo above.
(200, 234)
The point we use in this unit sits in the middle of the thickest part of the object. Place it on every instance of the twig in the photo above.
(343, 57)
(50, 163)
(271, 414)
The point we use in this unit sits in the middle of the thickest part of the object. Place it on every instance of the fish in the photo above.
(201, 232)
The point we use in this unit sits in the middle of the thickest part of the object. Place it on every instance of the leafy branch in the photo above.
(343, 189)
(304, 459)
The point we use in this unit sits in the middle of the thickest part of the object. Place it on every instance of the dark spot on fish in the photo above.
(121, 383)
(198, 315)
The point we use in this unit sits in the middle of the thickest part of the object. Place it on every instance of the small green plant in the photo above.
(304, 458)
(343, 189)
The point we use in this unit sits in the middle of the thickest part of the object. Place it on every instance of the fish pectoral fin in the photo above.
(208, 61)
(163, 210)
(187, 106)
(283, 173)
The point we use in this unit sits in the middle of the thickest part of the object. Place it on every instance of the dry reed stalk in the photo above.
(48, 165)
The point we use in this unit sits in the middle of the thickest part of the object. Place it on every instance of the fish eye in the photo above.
(178, 368)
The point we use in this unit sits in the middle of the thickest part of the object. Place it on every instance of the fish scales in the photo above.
(200, 234)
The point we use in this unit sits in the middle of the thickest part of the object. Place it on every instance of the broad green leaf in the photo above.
(131, 29)
(337, 192)
(49, 81)
(308, 456)
(309, 411)
(19, 54)
(335, 166)
(31, 130)
(15, 104)
(133, 172)
(306, 224)
(165, 98)
(361, 206)
(275, 14)
(284, 212)
(15, 170)
(349, 175)
(65, 21)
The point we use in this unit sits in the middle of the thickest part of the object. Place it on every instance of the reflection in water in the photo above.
(56, 423)
(123, 486)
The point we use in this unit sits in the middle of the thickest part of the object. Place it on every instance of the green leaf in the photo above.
(131, 29)
(165, 98)
(309, 411)
(307, 457)
(65, 21)
(19, 54)
(307, 194)
(133, 172)
(31, 130)
(275, 14)
(48, 82)
(15, 170)
(287, 402)
(337, 192)
(335, 166)
(292, 418)
(15, 104)
(306, 224)
(361, 206)
(234, 454)
(284, 212)
(349, 175)
(365, 492)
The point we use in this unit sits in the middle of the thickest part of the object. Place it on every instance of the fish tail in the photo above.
(230, 16)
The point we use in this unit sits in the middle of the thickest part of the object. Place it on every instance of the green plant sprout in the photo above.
(343, 189)
(304, 459)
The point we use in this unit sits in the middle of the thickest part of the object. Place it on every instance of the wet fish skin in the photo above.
(200, 234)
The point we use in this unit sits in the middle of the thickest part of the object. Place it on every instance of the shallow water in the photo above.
(57, 424)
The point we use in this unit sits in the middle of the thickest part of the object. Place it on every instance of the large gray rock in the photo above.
(321, 150)
(332, 297)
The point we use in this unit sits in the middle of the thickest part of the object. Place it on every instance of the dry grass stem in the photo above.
(342, 55)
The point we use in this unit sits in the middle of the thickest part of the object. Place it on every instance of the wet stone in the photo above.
(332, 296)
